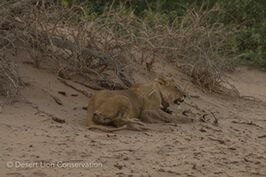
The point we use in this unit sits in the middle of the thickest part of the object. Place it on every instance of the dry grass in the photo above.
(121, 41)
(9, 79)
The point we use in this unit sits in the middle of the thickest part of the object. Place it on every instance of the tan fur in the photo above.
(125, 109)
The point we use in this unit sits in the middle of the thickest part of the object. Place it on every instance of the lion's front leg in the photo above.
(159, 116)
(156, 116)
(133, 124)
(166, 117)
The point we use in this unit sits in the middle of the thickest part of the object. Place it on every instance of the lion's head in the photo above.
(171, 94)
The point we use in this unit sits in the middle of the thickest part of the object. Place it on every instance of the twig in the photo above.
(130, 150)
(218, 140)
(246, 123)
(110, 85)
(215, 122)
(57, 100)
(53, 117)
(203, 118)
(88, 86)
(73, 87)
(56, 119)
(262, 136)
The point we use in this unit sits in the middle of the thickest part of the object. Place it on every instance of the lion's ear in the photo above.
(161, 81)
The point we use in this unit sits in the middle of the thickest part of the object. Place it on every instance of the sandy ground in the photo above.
(33, 144)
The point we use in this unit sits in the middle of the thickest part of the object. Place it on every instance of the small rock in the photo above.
(202, 130)
(56, 119)
(111, 135)
(62, 93)
(232, 148)
(125, 158)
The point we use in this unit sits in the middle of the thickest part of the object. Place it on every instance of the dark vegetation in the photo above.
(99, 43)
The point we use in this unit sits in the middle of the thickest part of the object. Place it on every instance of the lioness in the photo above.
(124, 109)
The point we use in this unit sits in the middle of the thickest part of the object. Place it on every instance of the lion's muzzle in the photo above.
(178, 101)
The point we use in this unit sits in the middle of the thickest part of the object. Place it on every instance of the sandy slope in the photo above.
(236, 147)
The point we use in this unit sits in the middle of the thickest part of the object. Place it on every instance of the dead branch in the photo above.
(93, 87)
(57, 100)
(246, 123)
(85, 52)
(39, 111)
(215, 122)
(90, 52)
(56, 119)
(218, 140)
(73, 87)
(262, 136)
(110, 85)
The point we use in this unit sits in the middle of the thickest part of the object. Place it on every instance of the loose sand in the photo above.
(30, 137)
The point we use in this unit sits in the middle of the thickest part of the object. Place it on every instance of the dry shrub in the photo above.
(197, 47)
(118, 41)
(69, 41)
(56, 38)
(9, 79)
(202, 51)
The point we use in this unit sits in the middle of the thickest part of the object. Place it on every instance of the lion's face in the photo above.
(171, 94)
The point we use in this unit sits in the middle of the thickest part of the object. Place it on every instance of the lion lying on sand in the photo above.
(127, 109)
